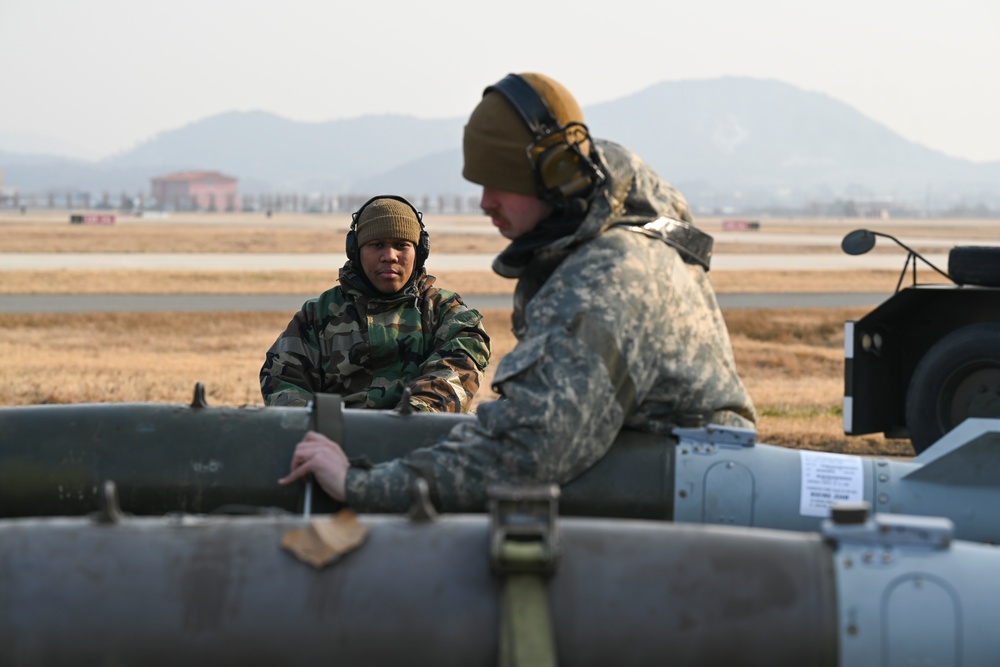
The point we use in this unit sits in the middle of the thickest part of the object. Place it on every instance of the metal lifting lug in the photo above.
(110, 511)
(421, 508)
(199, 396)
(523, 531)
(717, 434)
(405, 407)
(852, 526)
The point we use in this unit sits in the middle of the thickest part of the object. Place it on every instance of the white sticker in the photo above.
(828, 479)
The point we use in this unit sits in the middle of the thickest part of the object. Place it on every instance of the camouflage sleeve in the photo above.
(557, 418)
(450, 376)
(291, 373)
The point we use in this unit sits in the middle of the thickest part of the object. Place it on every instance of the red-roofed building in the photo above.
(195, 191)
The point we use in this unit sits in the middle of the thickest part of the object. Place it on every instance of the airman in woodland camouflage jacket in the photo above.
(615, 329)
(369, 348)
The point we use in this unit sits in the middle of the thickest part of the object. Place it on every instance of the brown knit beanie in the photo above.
(496, 138)
(387, 218)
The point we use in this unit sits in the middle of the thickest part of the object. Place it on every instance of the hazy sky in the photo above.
(107, 74)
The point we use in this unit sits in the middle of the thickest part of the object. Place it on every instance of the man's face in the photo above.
(513, 214)
(388, 263)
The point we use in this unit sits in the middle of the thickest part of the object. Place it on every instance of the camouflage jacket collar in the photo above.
(357, 288)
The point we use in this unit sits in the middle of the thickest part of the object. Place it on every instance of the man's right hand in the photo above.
(322, 457)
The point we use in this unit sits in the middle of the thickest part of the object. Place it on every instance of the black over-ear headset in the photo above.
(560, 158)
(423, 247)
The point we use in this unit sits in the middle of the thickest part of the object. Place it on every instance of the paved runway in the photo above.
(833, 261)
(441, 262)
(142, 303)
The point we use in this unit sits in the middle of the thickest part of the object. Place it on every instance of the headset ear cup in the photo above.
(351, 245)
(424, 247)
(560, 173)
(559, 153)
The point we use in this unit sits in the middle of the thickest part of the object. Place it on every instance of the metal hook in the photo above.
(110, 511)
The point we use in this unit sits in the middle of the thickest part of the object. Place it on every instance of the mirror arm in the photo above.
(912, 256)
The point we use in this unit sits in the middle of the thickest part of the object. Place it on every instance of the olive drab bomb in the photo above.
(202, 459)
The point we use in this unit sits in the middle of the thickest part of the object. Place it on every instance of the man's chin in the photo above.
(386, 286)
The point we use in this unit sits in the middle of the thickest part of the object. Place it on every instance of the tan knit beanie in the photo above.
(496, 138)
(387, 218)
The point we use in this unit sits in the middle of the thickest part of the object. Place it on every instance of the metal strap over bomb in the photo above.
(524, 551)
(328, 416)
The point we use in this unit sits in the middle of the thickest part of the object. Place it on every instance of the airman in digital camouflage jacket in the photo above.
(616, 329)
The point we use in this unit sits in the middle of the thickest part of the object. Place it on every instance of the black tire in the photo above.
(959, 377)
(975, 265)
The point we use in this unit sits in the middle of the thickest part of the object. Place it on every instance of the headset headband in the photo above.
(423, 248)
(552, 162)
(531, 106)
(357, 214)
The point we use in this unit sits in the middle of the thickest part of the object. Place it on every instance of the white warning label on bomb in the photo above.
(828, 479)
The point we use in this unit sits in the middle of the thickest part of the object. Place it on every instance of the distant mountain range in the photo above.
(728, 143)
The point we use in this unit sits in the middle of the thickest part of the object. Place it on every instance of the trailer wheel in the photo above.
(975, 265)
(959, 377)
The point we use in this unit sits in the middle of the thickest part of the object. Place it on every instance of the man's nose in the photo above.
(486, 200)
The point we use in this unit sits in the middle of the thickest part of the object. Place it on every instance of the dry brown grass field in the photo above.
(792, 360)
(309, 283)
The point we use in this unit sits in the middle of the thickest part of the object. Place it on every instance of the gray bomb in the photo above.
(197, 590)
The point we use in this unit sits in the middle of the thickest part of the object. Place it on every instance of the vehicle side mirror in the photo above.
(858, 242)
